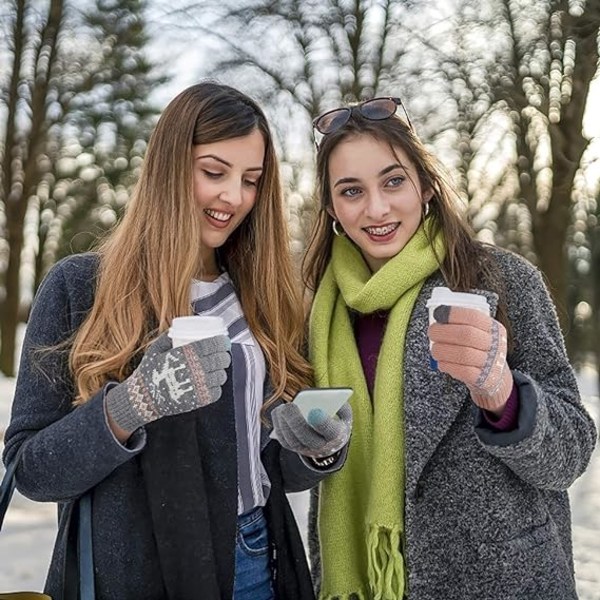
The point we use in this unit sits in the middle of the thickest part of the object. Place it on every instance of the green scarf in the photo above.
(361, 508)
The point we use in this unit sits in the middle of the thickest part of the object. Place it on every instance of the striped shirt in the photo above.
(218, 298)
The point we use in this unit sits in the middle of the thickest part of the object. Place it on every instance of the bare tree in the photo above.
(75, 92)
(34, 48)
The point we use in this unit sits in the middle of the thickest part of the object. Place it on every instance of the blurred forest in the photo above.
(499, 89)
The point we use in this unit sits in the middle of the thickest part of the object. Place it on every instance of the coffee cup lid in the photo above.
(444, 295)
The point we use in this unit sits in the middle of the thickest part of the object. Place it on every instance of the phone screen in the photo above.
(330, 400)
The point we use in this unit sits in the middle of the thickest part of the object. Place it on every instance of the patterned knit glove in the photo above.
(170, 381)
(321, 436)
(471, 347)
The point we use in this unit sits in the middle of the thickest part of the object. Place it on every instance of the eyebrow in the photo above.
(223, 161)
(385, 171)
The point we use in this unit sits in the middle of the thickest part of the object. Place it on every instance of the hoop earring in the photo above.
(335, 229)
(425, 210)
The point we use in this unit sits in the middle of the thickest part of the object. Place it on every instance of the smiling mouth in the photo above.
(222, 217)
(383, 230)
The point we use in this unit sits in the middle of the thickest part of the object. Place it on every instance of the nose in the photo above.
(232, 193)
(378, 206)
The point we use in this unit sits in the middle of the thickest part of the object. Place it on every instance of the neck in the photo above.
(208, 270)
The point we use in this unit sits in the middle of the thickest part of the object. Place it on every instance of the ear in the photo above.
(427, 195)
(331, 212)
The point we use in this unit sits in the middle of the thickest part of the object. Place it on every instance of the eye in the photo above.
(395, 181)
(212, 174)
(251, 182)
(351, 192)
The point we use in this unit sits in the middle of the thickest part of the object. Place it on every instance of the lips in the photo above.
(382, 230)
(218, 218)
(223, 217)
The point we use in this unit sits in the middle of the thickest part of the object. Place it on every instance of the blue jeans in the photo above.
(253, 579)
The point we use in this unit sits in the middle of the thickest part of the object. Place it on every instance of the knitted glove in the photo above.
(170, 381)
(321, 436)
(471, 347)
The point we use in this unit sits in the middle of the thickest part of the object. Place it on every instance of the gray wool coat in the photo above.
(487, 513)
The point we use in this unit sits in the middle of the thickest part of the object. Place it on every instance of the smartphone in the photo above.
(330, 400)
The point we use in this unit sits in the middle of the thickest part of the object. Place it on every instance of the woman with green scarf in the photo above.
(467, 430)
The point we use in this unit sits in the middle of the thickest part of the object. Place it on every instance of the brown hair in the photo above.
(466, 265)
(148, 262)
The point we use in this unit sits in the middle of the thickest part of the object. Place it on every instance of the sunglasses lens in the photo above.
(332, 120)
(378, 109)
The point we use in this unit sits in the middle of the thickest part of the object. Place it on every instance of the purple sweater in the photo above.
(369, 330)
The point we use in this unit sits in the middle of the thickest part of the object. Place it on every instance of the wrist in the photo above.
(123, 418)
(495, 402)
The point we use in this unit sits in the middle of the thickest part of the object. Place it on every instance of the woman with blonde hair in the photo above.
(467, 430)
(187, 486)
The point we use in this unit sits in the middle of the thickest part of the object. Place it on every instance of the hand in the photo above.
(170, 381)
(320, 436)
(471, 347)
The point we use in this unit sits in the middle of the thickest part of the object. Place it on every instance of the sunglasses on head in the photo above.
(375, 109)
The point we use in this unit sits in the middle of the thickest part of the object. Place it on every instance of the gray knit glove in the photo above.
(321, 436)
(170, 381)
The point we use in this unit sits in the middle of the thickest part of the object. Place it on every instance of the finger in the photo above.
(214, 393)
(328, 428)
(460, 335)
(161, 344)
(215, 378)
(208, 362)
(286, 436)
(468, 375)
(459, 355)
(218, 343)
(278, 418)
(459, 315)
(289, 412)
(296, 430)
(345, 413)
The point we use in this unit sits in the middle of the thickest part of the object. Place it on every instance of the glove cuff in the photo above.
(119, 406)
(498, 398)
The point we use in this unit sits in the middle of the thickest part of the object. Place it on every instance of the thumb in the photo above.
(160, 344)
(329, 428)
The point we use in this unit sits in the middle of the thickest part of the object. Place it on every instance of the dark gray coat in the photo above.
(148, 542)
(487, 513)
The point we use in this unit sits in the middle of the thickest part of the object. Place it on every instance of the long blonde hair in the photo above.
(148, 262)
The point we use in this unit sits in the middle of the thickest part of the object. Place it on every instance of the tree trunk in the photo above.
(9, 305)
(22, 174)
(568, 146)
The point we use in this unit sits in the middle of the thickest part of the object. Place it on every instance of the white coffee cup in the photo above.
(185, 330)
(445, 296)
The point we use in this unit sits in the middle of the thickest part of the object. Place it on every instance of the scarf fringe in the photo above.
(385, 562)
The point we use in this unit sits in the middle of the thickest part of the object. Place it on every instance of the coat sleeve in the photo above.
(555, 436)
(68, 450)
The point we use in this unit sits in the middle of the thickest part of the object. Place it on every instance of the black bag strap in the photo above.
(84, 509)
(86, 554)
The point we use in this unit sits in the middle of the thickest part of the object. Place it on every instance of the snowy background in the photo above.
(28, 534)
